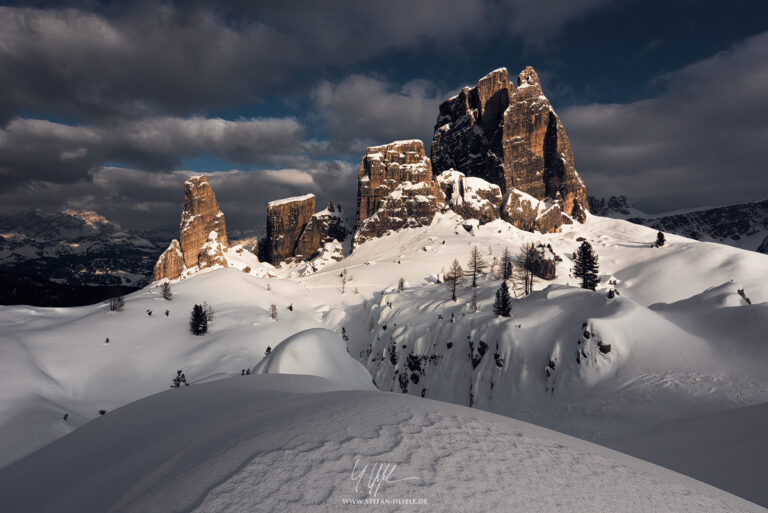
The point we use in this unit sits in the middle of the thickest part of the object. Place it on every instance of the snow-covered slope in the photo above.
(295, 443)
(683, 341)
(727, 449)
(743, 226)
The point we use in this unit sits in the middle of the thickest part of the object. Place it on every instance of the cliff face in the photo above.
(203, 233)
(170, 264)
(395, 189)
(384, 168)
(201, 216)
(286, 220)
(323, 227)
(509, 136)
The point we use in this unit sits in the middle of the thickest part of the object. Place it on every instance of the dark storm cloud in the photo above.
(701, 141)
(360, 111)
(32, 149)
(149, 57)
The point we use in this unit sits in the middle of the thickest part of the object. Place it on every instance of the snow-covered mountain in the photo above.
(743, 226)
(69, 257)
(678, 341)
(297, 443)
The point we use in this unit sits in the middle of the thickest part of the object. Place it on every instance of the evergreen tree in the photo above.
(477, 265)
(660, 240)
(503, 304)
(198, 322)
(586, 267)
(454, 278)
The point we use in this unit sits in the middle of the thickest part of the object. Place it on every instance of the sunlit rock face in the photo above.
(510, 136)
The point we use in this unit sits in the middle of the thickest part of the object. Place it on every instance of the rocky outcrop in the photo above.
(509, 136)
(286, 220)
(527, 213)
(470, 197)
(543, 263)
(170, 264)
(384, 168)
(201, 216)
(212, 252)
(410, 205)
(323, 227)
(395, 190)
(203, 233)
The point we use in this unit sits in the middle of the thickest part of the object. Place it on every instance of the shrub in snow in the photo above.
(179, 380)
(290, 307)
(400, 284)
(267, 351)
(586, 266)
(744, 296)
(273, 311)
(165, 290)
(107, 341)
(660, 240)
(502, 305)
(198, 322)
(102, 412)
(246, 269)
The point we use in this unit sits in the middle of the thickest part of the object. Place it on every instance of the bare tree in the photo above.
(526, 261)
(344, 280)
(165, 289)
(477, 265)
(454, 278)
(273, 311)
(507, 264)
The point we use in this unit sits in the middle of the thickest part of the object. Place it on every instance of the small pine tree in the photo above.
(268, 351)
(454, 278)
(273, 311)
(165, 289)
(198, 322)
(290, 307)
(502, 306)
(660, 240)
(473, 304)
(586, 266)
(400, 284)
(477, 265)
(344, 334)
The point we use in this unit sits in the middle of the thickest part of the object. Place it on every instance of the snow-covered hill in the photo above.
(680, 340)
(295, 443)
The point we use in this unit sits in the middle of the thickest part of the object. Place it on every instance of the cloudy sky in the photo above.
(110, 105)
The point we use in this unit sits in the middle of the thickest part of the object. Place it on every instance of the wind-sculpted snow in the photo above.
(292, 443)
(316, 352)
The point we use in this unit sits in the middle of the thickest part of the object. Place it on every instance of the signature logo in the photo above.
(377, 473)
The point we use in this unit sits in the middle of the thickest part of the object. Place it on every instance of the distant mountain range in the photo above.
(743, 226)
(69, 257)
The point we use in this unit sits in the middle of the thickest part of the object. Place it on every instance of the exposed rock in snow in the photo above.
(470, 197)
(212, 252)
(323, 227)
(510, 137)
